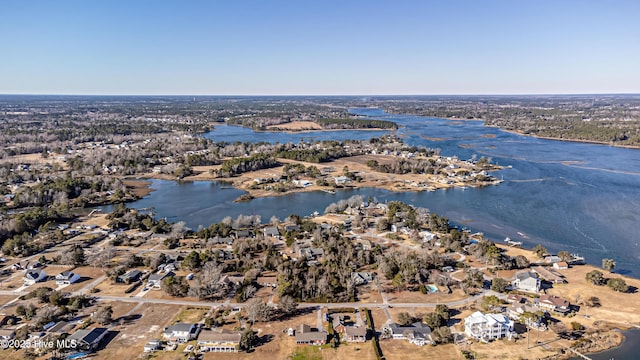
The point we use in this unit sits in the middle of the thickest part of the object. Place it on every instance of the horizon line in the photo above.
(322, 95)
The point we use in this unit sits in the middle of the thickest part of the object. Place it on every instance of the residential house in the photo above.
(34, 276)
(554, 303)
(561, 265)
(304, 336)
(7, 334)
(354, 334)
(129, 277)
(526, 281)
(88, 339)
(153, 345)
(549, 274)
(361, 277)
(288, 228)
(417, 333)
(272, 231)
(219, 341)
(516, 299)
(341, 180)
(61, 327)
(487, 326)
(155, 280)
(397, 227)
(66, 278)
(516, 310)
(181, 332)
(243, 234)
(427, 236)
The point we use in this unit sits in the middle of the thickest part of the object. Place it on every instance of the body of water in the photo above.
(583, 198)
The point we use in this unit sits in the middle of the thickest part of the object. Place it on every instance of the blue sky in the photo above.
(319, 47)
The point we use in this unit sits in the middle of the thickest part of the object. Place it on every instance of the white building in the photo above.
(66, 278)
(526, 281)
(33, 276)
(181, 332)
(487, 326)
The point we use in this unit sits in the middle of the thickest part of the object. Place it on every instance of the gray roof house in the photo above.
(417, 333)
(34, 276)
(88, 339)
(67, 277)
(129, 277)
(304, 336)
(526, 281)
(181, 332)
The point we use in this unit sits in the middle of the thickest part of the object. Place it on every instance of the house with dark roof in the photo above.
(272, 231)
(34, 276)
(304, 336)
(219, 341)
(129, 277)
(66, 278)
(88, 339)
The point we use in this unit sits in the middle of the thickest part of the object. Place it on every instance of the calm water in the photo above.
(629, 350)
(583, 198)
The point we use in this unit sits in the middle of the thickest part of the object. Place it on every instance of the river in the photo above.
(584, 198)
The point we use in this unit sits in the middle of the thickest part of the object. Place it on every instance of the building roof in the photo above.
(554, 301)
(355, 330)
(304, 333)
(417, 326)
(180, 327)
(549, 274)
(88, 335)
(34, 274)
(524, 275)
(491, 319)
(220, 336)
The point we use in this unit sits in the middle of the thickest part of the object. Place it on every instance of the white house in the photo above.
(340, 180)
(487, 326)
(213, 341)
(181, 332)
(66, 278)
(155, 280)
(526, 281)
(417, 333)
(153, 345)
(34, 276)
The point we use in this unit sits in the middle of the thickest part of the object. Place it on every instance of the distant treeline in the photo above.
(347, 123)
(241, 165)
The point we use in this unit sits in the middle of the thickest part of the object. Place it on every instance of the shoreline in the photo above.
(635, 147)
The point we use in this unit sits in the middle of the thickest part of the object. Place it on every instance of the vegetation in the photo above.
(608, 264)
(346, 123)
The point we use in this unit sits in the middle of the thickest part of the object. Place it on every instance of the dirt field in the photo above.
(146, 323)
(400, 349)
(296, 126)
(191, 314)
(418, 297)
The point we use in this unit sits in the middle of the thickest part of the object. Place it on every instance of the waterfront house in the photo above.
(554, 303)
(561, 265)
(526, 281)
(219, 341)
(549, 274)
(304, 336)
(88, 339)
(487, 326)
(272, 231)
(66, 278)
(34, 276)
(181, 332)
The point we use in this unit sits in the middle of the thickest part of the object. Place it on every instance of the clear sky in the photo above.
(299, 47)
